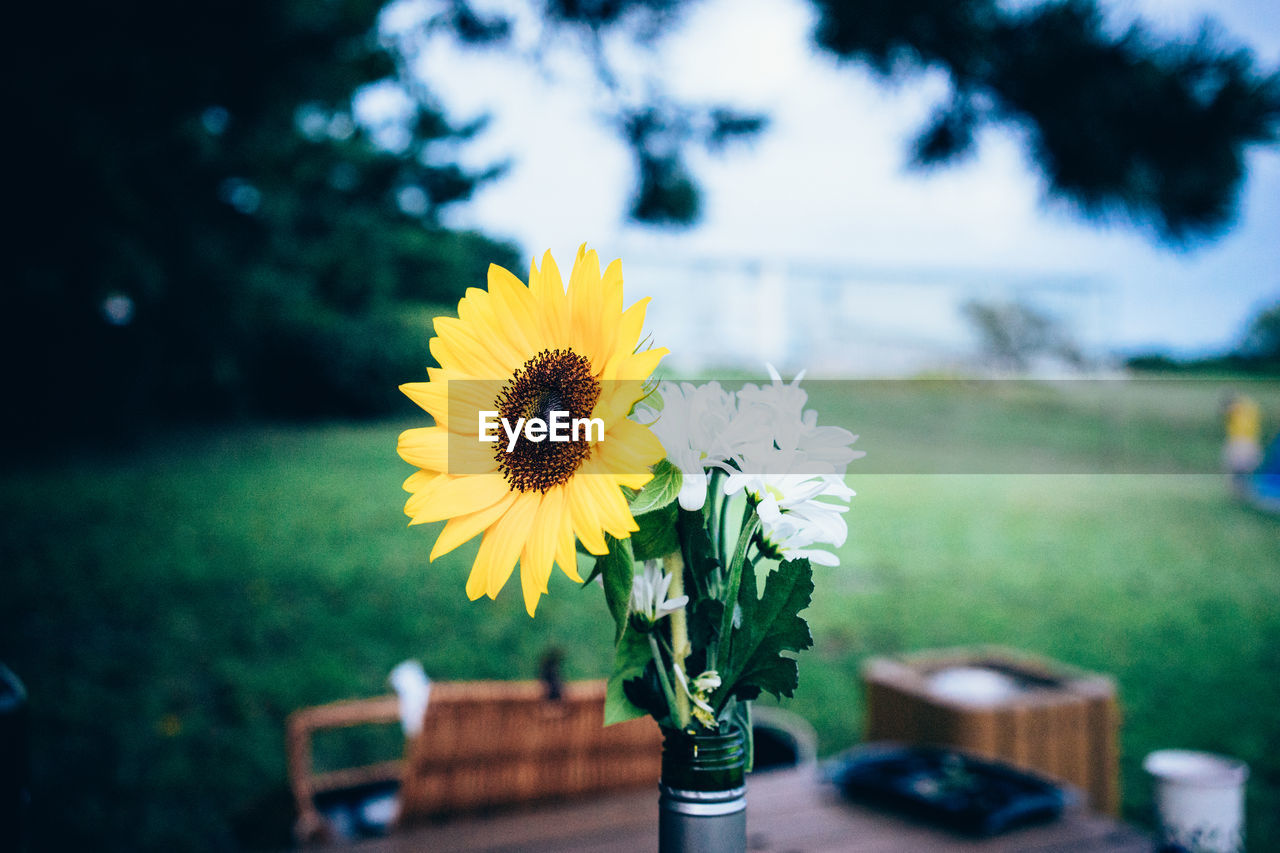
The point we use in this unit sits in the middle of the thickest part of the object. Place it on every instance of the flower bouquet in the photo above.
(702, 509)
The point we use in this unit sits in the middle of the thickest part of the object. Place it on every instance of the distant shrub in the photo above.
(333, 365)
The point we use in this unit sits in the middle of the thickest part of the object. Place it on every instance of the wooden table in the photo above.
(789, 811)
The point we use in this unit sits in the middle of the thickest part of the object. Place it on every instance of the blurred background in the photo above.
(234, 224)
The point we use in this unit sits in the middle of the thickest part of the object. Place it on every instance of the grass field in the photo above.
(168, 607)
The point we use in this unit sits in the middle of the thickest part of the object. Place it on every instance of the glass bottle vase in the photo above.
(702, 803)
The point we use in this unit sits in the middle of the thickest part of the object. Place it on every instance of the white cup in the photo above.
(1199, 799)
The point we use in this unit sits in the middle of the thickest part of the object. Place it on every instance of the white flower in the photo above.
(699, 693)
(792, 518)
(771, 447)
(793, 514)
(793, 469)
(778, 407)
(707, 682)
(649, 602)
(774, 415)
(692, 427)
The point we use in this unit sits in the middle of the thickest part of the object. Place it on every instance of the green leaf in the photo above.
(704, 615)
(738, 571)
(657, 535)
(616, 570)
(771, 625)
(629, 660)
(701, 565)
(659, 492)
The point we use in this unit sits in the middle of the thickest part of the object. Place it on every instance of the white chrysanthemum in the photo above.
(649, 590)
(793, 469)
(791, 524)
(797, 509)
(772, 448)
(693, 426)
(775, 415)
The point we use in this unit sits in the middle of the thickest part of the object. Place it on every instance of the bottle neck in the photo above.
(704, 762)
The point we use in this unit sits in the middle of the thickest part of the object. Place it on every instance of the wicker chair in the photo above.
(483, 745)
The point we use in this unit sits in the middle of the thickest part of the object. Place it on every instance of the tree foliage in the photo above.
(1122, 123)
(1013, 335)
(203, 228)
(1257, 350)
(1261, 342)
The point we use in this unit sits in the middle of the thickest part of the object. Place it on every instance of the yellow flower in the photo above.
(523, 352)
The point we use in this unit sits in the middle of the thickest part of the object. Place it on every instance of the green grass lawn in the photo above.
(167, 608)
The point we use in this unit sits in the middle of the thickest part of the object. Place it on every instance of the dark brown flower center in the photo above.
(554, 380)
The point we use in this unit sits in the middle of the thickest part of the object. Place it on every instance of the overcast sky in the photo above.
(827, 181)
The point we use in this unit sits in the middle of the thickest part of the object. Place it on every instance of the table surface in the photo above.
(788, 811)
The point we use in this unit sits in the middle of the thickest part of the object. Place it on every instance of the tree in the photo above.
(658, 129)
(203, 227)
(1012, 335)
(1261, 343)
(1121, 123)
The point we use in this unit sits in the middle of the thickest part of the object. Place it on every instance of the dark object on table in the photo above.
(781, 739)
(946, 787)
(362, 811)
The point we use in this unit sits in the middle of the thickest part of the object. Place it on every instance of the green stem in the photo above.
(747, 509)
(713, 510)
(662, 676)
(750, 524)
(673, 564)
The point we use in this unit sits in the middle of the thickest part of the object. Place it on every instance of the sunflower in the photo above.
(530, 352)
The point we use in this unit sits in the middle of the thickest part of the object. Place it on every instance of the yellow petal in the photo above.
(431, 398)
(492, 321)
(551, 306)
(423, 494)
(477, 345)
(418, 480)
(467, 399)
(629, 448)
(586, 522)
(464, 528)
(541, 547)
(584, 311)
(548, 292)
(641, 365)
(609, 312)
(426, 447)
(566, 553)
(630, 325)
(539, 550)
(617, 399)
(513, 305)
(502, 544)
(462, 495)
(478, 313)
(465, 355)
(561, 529)
(633, 481)
(611, 507)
